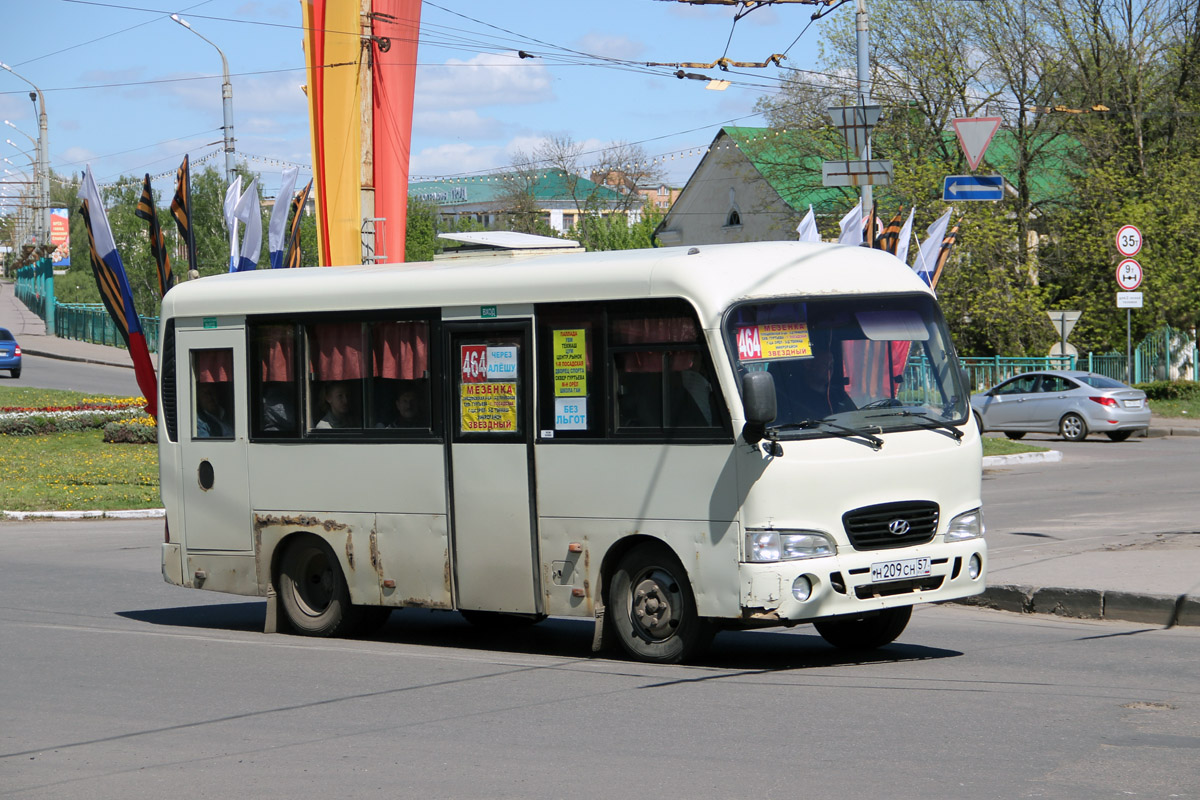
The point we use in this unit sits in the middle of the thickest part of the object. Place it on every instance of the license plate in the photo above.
(900, 570)
(1133, 403)
(3, 354)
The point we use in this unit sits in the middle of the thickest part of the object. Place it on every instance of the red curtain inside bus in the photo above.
(659, 330)
(337, 351)
(213, 366)
(874, 368)
(400, 350)
(276, 350)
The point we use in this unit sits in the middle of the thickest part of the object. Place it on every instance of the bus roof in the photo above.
(712, 276)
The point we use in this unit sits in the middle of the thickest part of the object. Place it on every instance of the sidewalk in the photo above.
(1152, 579)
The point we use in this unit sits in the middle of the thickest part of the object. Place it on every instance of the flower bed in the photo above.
(89, 413)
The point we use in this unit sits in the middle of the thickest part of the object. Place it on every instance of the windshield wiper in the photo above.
(937, 423)
(837, 430)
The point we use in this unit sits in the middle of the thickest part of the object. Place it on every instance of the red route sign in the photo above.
(1129, 240)
(1129, 274)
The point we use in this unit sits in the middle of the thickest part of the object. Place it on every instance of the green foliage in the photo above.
(420, 236)
(596, 231)
(1170, 390)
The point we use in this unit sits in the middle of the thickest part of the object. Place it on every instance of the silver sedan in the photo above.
(1070, 403)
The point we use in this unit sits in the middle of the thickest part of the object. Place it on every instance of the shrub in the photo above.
(130, 432)
(1171, 390)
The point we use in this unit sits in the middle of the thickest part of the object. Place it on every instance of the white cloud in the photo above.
(461, 124)
(457, 158)
(610, 46)
(487, 79)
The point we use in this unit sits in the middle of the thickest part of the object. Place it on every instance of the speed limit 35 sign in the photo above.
(1129, 240)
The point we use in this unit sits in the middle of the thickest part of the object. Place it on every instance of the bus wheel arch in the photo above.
(312, 588)
(650, 605)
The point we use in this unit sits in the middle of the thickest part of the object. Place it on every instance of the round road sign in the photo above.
(1129, 240)
(1129, 274)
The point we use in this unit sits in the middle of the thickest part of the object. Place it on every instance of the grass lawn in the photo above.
(1176, 408)
(74, 471)
(1000, 446)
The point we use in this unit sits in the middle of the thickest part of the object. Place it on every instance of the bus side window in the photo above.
(275, 390)
(335, 367)
(400, 376)
(212, 386)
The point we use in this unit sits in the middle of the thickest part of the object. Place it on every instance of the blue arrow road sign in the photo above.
(973, 187)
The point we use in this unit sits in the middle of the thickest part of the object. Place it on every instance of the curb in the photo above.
(137, 513)
(1153, 609)
(990, 462)
(80, 359)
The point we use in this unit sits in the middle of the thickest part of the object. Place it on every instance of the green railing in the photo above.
(984, 373)
(90, 322)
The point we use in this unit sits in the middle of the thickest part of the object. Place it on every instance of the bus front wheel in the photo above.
(652, 608)
(866, 632)
(313, 590)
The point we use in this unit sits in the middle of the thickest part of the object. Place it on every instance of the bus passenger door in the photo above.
(491, 455)
(211, 365)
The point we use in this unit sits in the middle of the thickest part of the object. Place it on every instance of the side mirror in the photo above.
(758, 401)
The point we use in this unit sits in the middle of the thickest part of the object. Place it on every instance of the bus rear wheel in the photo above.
(866, 632)
(313, 589)
(652, 608)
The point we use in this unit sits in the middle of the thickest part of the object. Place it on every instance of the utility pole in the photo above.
(226, 101)
(862, 31)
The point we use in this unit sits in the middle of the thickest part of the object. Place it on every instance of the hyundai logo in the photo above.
(898, 527)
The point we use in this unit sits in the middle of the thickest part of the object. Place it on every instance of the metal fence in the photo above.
(90, 322)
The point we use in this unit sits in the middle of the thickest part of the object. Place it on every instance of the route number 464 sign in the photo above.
(1129, 240)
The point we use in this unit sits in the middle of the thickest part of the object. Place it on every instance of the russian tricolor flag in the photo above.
(114, 288)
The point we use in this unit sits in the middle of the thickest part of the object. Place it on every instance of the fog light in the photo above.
(975, 566)
(802, 588)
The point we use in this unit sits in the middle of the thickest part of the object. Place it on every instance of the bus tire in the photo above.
(313, 589)
(866, 632)
(652, 608)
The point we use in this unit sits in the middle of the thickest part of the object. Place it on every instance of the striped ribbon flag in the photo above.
(292, 257)
(114, 288)
(888, 238)
(181, 210)
(147, 211)
(944, 254)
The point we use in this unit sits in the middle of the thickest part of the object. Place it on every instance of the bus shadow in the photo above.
(764, 649)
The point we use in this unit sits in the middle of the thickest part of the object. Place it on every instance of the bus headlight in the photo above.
(787, 545)
(966, 526)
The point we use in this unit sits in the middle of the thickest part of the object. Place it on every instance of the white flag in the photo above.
(928, 252)
(279, 215)
(852, 226)
(807, 229)
(903, 238)
(232, 195)
(248, 212)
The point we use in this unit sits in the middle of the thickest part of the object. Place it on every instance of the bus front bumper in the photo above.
(857, 582)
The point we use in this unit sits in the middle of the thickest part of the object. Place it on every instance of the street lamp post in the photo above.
(42, 226)
(226, 100)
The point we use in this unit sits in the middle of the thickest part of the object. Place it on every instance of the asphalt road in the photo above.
(97, 379)
(117, 685)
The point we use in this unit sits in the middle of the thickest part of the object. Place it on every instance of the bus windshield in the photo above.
(863, 364)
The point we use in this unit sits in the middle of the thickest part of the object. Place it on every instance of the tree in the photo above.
(420, 238)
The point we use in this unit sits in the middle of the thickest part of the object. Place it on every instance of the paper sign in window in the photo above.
(502, 363)
(474, 363)
(773, 340)
(488, 407)
(570, 363)
(570, 414)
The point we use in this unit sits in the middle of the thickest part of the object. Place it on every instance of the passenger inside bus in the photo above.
(809, 389)
(212, 421)
(339, 411)
(409, 410)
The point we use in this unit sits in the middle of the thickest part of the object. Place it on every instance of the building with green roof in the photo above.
(485, 198)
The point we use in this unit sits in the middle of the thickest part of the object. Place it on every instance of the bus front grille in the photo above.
(889, 525)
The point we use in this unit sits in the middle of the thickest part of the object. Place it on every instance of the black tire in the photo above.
(497, 620)
(1072, 428)
(16, 373)
(866, 632)
(1118, 436)
(652, 608)
(978, 422)
(313, 590)
(1015, 434)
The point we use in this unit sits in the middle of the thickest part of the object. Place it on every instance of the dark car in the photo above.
(10, 353)
(1067, 402)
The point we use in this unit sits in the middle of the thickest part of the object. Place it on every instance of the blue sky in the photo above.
(129, 91)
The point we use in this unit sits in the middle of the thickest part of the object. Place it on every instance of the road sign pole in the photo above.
(1129, 346)
(864, 99)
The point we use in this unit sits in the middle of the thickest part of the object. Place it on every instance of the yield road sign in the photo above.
(1129, 274)
(1129, 240)
(1064, 321)
(957, 188)
(856, 173)
(974, 136)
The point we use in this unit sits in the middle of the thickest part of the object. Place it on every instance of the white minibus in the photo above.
(668, 442)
